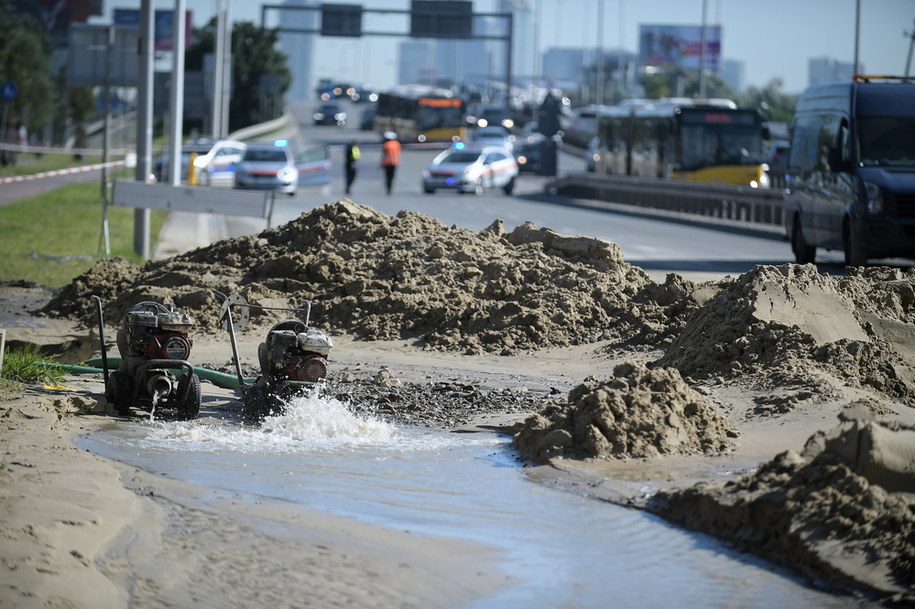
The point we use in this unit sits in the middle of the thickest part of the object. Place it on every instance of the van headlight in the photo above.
(874, 199)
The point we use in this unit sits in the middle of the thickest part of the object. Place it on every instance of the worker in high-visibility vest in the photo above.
(192, 170)
(351, 163)
(390, 159)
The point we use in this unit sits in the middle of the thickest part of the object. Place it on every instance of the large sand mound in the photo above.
(406, 277)
(789, 324)
(844, 502)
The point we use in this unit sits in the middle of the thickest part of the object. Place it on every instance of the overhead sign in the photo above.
(441, 19)
(341, 20)
(92, 60)
(679, 45)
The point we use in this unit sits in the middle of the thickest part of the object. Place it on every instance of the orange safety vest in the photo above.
(391, 153)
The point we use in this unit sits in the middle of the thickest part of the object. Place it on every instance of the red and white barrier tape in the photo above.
(60, 172)
(30, 149)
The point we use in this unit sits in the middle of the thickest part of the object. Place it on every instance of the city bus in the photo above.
(418, 113)
(700, 141)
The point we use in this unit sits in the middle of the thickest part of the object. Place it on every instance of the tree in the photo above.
(255, 59)
(774, 104)
(678, 82)
(260, 76)
(25, 62)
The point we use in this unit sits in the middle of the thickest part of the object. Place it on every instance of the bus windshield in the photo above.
(437, 117)
(886, 141)
(710, 146)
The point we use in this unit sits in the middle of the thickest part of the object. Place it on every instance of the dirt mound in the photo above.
(789, 324)
(846, 500)
(406, 277)
(637, 413)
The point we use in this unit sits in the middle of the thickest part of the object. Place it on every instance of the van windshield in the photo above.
(886, 141)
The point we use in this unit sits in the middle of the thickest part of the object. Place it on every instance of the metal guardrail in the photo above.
(724, 201)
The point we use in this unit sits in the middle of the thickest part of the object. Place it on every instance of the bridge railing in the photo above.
(724, 201)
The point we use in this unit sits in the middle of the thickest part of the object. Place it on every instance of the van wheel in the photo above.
(854, 255)
(804, 253)
(508, 188)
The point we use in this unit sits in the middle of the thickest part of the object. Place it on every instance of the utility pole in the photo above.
(908, 61)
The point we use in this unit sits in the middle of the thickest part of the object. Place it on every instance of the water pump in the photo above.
(153, 342)
(293, 357)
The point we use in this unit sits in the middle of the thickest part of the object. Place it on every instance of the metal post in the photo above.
(141, 217)
(857, 31)
(218, 71)
(176, 107)
(106, 139)
(702, 40)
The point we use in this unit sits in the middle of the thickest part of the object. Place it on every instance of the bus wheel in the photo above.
(854, 255)
(803, 252)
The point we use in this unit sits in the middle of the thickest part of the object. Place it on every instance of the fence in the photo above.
(727, 202)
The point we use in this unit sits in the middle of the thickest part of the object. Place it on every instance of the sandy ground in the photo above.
(730, 429)
(83, 531)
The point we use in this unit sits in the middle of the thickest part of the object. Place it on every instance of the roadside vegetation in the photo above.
(27, 365)
(53, 237)
(27, 164)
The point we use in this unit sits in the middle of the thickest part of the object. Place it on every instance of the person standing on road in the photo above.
(390, 159)
(352, 161)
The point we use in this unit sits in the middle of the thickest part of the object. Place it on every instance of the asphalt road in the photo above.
(658, 245)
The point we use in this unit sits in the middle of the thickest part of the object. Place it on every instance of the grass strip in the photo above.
(53, 237)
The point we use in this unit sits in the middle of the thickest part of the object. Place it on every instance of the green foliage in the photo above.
(25, 61)
(260, 75)
(256, 59)
(27, 365)
(770, 100)
(54, 237)
(29, 163)
(677, 82)
(774, 104)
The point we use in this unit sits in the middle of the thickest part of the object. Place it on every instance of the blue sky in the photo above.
(774, 38)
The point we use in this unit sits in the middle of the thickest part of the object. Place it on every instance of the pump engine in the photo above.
(291, 357)
(153, 341)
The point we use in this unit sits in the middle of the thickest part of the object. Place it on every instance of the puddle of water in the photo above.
(565, 550)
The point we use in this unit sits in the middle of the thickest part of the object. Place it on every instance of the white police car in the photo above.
(468, 168)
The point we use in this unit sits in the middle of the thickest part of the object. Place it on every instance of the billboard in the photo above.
(680, 45)
(163, 25)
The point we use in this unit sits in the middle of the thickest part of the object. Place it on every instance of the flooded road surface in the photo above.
(564, 550)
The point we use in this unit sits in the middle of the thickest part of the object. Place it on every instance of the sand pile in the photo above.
(844, 502)
(406, 277)
(791, 326)
(637, 413)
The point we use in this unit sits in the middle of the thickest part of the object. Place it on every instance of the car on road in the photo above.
(493, 136)
(268, 166)
(329, 113)
(217, 166)
(528, 152)
(471, 169)
(488, 115)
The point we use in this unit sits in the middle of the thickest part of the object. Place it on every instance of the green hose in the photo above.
(90, 366)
